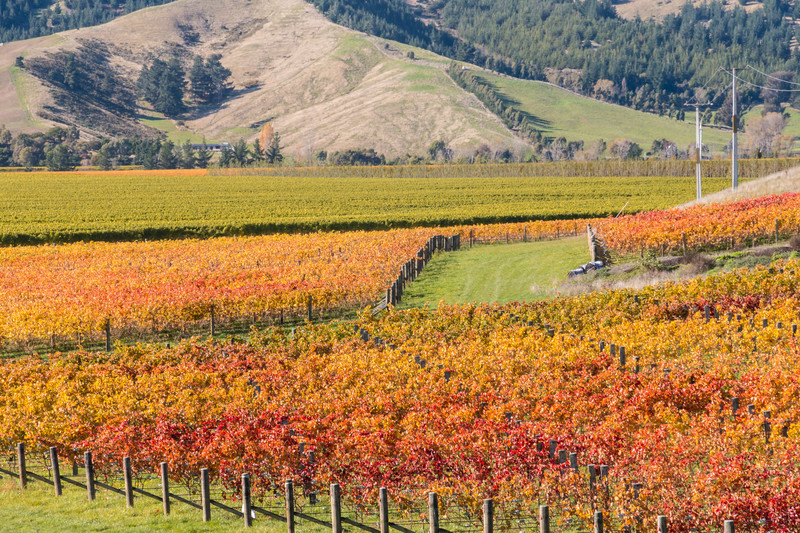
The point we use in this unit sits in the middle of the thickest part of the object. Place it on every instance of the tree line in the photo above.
(24, 19)
(63, 149)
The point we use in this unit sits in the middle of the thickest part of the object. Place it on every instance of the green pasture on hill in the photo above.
(58, 207)
(557, 112)
(497, 273)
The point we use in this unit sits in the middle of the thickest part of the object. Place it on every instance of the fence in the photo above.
(413, 267)
(597, 477)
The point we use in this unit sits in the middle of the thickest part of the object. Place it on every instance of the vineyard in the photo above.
(676, 400)
(70, 294)
(136, 205)
(687, 391)
(705, 227)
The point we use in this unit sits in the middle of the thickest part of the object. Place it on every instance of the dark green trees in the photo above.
(209, 80)
(162, 85)
(61, 159)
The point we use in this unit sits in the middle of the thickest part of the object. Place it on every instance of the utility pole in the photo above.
(698, 150)
(734, 151)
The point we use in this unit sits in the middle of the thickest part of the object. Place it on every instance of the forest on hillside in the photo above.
(24, 19)
(584, 46)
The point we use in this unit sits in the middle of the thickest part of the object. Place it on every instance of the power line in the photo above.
(690, 104)
(761, 86)
(771, 77)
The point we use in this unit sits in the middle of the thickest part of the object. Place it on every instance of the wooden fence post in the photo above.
(310, 306)
(108, 334)
(213, 322)
(23, 473)
(205, 495)
(56, 470)
(728, 527)
(562, 456)
(544, 519)
(767, 426)
(777, 233)
(89, 466)
(165, 487)
(383, 510)
(336, 509)
(598, 522)
(128, 475)
(433, 512)
(662, 524)
(552, 451)
(573, 461)
(289, 506)
(488, 516)
(246, 512)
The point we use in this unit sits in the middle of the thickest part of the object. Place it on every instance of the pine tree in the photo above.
(203, 156)
(187, 157)
(241, 154)
(225, 157)
(200, 83)
(71, 72)
(258, 151)
(166, 157)
(273, 154)
(170, 89)
(218, 77)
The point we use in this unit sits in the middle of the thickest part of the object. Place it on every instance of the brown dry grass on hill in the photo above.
(659, 9)
(777, 183)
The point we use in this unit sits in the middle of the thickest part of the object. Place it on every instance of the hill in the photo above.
(323, 86)
(560, 112)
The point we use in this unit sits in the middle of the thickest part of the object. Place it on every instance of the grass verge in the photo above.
(497, 273)
(37, 509)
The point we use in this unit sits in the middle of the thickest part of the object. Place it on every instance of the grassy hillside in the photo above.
(563, 113)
